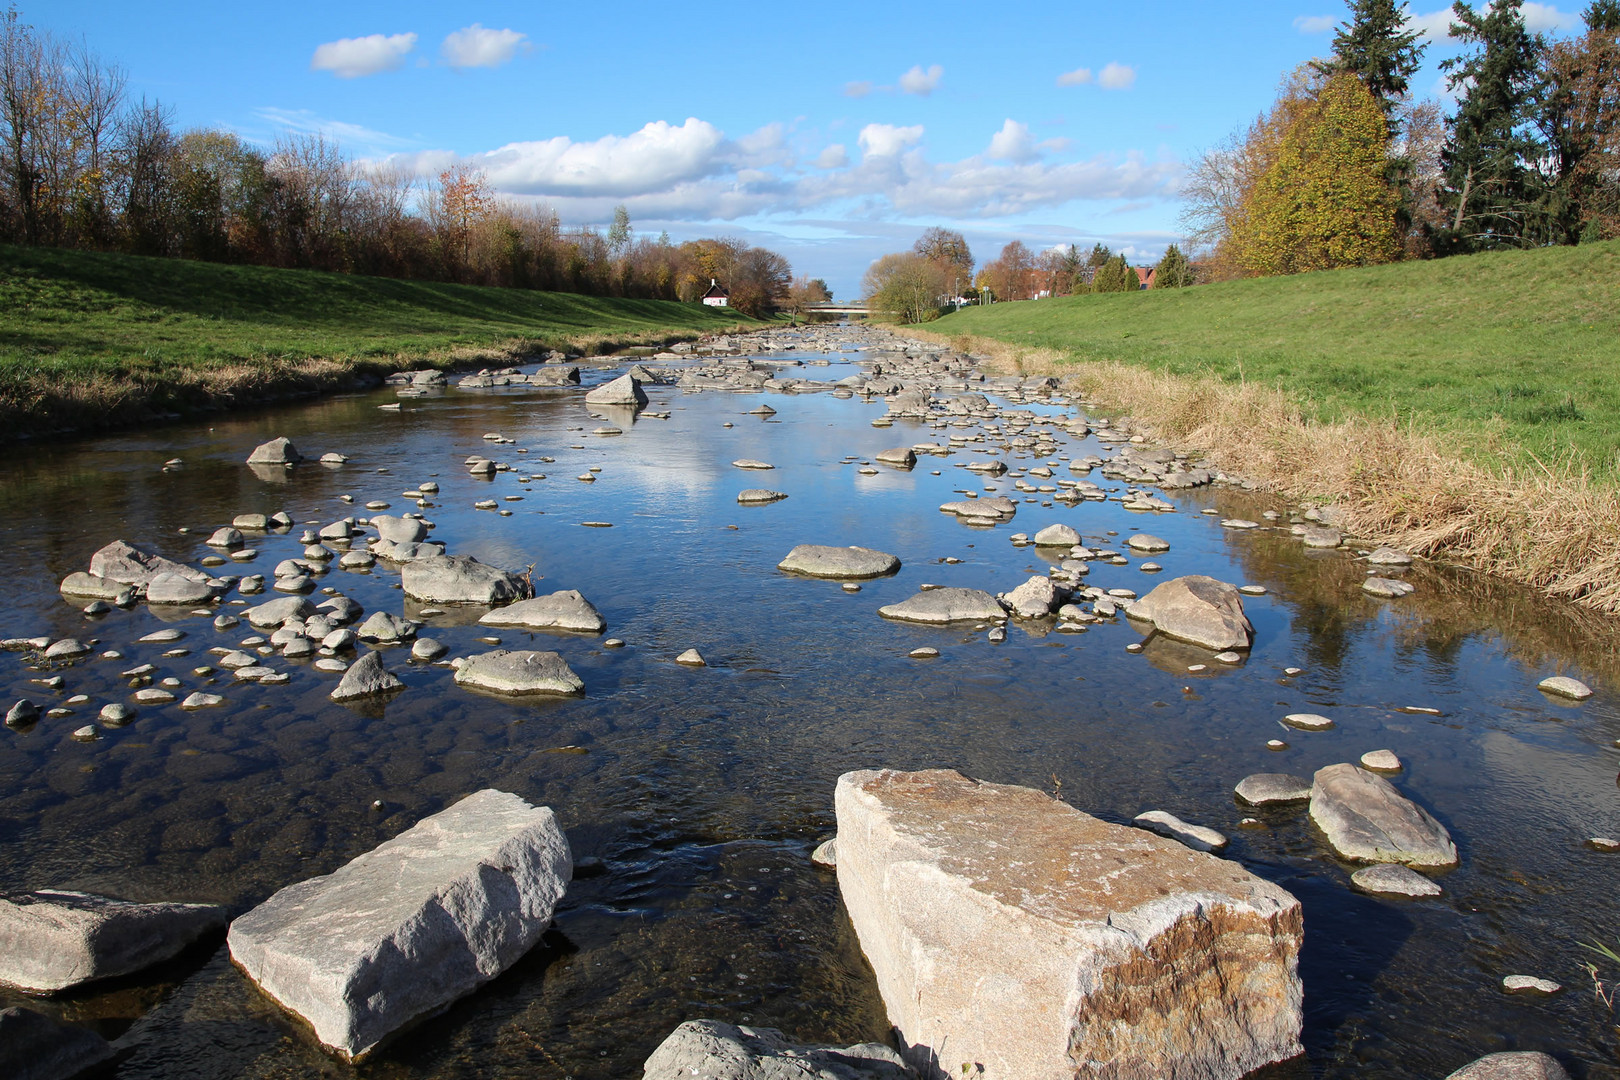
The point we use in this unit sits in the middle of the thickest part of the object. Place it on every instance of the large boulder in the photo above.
(275, 452)
(169, 588)
(51, 940)
(1035, 598)
(92, 586)
(1057, 536)
(901, 457)
(519, 671)
(719, 1051)
(35, 1047)
(625, 390)
(365, 678)
(459, 579)
(1199, 610)
(1512, 1065)
(399, 530)
(566, 610)
(130, 565)
(818, 560)
(273, 613)
(1367, 820)
(407, 928)
(1009, 930)
(945, 606)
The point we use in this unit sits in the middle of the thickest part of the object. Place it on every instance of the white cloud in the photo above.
(655, 158)
(479, 46)
(886, 140)
(1012, 143)
(1314, 24)
(1542, 18)
(351, 137)
(920, 82)
(1435, 26)
(1117, 77)
(1077, 77)
(352, 58)
(858, 89)
(833, 157)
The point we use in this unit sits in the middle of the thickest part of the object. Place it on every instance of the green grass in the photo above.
(1513, 354)
(68, 312)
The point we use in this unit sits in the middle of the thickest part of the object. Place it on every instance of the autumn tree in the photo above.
(1580, 123)
(456, 209)
(805, 292)
(949, 251)
(905, 286)
(1010, 275)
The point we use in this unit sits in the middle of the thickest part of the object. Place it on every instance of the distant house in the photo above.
(1144, 275)
(717, 295)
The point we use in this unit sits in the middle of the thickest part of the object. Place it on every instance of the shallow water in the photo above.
(702, 791)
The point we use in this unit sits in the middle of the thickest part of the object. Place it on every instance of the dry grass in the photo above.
(1550, 527)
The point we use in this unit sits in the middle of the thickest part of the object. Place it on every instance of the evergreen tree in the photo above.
(1173, 271)
(1116, 275)
(1490, 186)
(1379, 47)
(1099, 256)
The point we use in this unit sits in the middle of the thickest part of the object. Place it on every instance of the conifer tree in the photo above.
(1173, 271)
(1116, 275)
(1379, 47)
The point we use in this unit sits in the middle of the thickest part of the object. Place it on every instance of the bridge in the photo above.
(837, 309)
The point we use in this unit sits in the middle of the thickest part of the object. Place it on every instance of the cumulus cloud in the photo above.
(655, 158)
(886, 140)
(479, 46)
(1544, 18)
(1314, 24)
(353, 58)
(1012, 143)
(858, 89)
(920, 82)
(1117, 77)
(833, 157)
(1077, 77)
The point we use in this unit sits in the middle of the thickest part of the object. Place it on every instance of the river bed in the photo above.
(702, 791)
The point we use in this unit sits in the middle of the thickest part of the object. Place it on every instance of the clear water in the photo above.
(702, 791)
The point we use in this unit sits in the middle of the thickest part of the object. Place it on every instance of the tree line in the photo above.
(84, 166)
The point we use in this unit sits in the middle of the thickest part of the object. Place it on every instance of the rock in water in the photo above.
(51, 940)
(625, 390)
(1367, 820)
(459, 579)
(275, 612)
(412, 925)
(1387, 588)
(817, 560)
(35, 1047)
(365, 678)
(718, 1051)
(1010, 930)
(1564, 686)
(275, 452)
(566, 610)
(1512, 1065)
(519, 672)
(1197, 609)
(1262, 789)
(1197, 837)
(1393, 879)
(901, 457)
(399, 530)
(944, 606)
(1035, 598)
(1057, 536)
(169, 588)
(754, 496)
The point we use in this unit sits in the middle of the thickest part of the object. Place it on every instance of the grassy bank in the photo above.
(90, 340)
(1513, 356)
(1405, 395)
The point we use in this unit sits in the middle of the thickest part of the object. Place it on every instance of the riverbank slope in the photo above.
(94, 340)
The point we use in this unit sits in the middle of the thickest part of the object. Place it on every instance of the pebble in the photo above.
(1381, 761)
(1276, 744)
(1229, 658)
(153, 695)
(116, 714)
(1292, 671)
(329, 664)
(927, 652)
(1529, 984)
(1134, 647)
(87, 733)
(200, 700)
(850, 586)
(1604, 843)
(612, 643)
(1252, 590)
(1308, 721)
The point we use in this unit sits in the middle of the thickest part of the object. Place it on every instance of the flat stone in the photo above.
(1388, 556)
(750, 463)
(459, 579)
(1146, 543)
(35, 1047)
(902, 457)
(1321, 537)
(754, 496)
(714, 1050)
(817, 560)
(1057, 536)
(200, 700)
(1308, 721)
(402, 931)
(66, 649)
(365, 677)
(1529, 984)
(565, 610)
(275, 452)
(169, 588)
(1387, 588)
(945, 605)
(998, 507)
(519, 672)
(1393, 879)
(1016, 932)
(1262, 789)
(1381, 761)
(1199, 610)
(625, 390)
(1367, 820)
(91, 586)
(275, 612)
(826, 854)
(51, 940)
(1564, 686)
(1197, 837)
(1512, 1065)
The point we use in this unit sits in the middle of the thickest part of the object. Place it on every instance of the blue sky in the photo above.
(831, 132)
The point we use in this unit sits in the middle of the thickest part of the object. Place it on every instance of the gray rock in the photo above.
(901, 457)
(169, 588)
(1387, 588)
(1057, 536)
(386, 627)
(460, 579)
(402, 931)
(997, 506)
(1197, 837)
(22, 714)
(1146, 542)
(1512, 1065)
(91, 586)
(66, 649)
(35, 1047)
(341, 609)
(625, 390)
(760, 495)
(399, 530)
(692, 658)
(825, 854)
(129, 565)
(1381, 761)
(1367, 820)
(1393, 879)
(275, 612)
(1035, 598)
(713, 1050)
(386, 549)
(1321, 537)
(366, 677)
(519, 672)
(200, 700)
(1262, 789)
(51, 940)
(228, 538)
(566, 610)
(1388, 556)
(1529, 984)
(275, 452)
(751, 463)
(945, 606)
(816, 560)
(1564, 686)
(427, 649)
(555, 376)
(1199, 610)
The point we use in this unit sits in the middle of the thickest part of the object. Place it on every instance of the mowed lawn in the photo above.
(1516, 354)
(63, 312)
